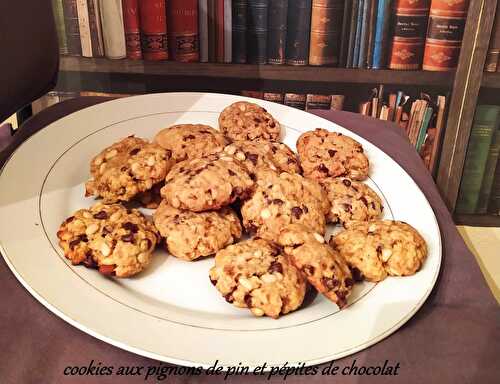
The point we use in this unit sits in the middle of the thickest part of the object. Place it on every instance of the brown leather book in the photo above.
(444, 34)
(153, 29)
(274, 97)
(326, 25)
(254, 94)
(408, 37)
(318, 102)
(295, 100)
(72, 27)
(132, 32)
(337, 103)
(182, 21)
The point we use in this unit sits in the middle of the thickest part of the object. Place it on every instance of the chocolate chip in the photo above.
(248, 300)
(275, 267)
(205, 132)
(176, 219)
(69, 219)
(379, 250)
(272, 124)
(123, 169)
(229, 298)
(253, 158)
(130, 227)
(329, 282)
(305, 209)
(356, 274)
(128, 238)
(277, 202)
(134, 151)
(274, 149)
(297, 212)
(347, 182)
(188, 137)
(89, 260)
(291, 161)
(349, 282)
(214, 282)
(231, 173)
(347, 207)
(373, 205)
(322, 168)
(106, 230)
(251, 228)
(101, 215)
(331, 152)
(309, 270)
(257, 120)
(237, 191)
(74, 243)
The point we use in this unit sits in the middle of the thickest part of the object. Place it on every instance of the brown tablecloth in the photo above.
(454, 337)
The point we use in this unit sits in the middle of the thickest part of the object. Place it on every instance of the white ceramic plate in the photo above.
(171, 312)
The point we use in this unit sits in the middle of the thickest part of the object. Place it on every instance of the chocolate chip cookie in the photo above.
(207, 183)
(264, 154)
(379, 248)
(248, 121)
(330, 154)
(254, 274)
(126, 168)
(351, 200)
(282, 199)
(110, 238)
(187, 141)
(323, 267)
(190, 235)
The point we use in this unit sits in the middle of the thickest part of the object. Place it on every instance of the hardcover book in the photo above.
(357, 36)
(337, 103)
(372, 15)
(494, 204)
(132, 29)
(295, 100)
(344, 36)
(95, 28)
(239, 16)
(352, 34)
(212, 31)
(381, 39)
(203, 29)
(228, 33)
(84, 26)
(219, 31)
(182, 20)
(493, 56)
(276, 37)
(363, 37)
(257, 17)
(274, 97)
(71, 25)
(112, 29)
(254, 94)
(153, 29)
(298, 32)
(318, 102)
(57, 6)
(408, 37)
(489, 171)
(326, 21)
(444, 34)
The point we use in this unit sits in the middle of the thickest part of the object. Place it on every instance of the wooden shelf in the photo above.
(491, 80)
(477, 220)
(260, 72)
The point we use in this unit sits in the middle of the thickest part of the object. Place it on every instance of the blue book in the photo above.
(363, 41)
(380, 47)
(357, 39)
(352, 34)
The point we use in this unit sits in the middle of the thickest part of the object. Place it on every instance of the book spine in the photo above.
(57, 7)
(381, 41)
(219, 19)
(494, 203)
(298, 32)
(239, 16)
(357, 36)
(485, 120)
(274, 97)
(344, 36)
(182, 21)
(112, 29)
(95, 28)
(371, 34)
(409, 26)
(153, 20)
(326, 20)
(228, 33)
(337, 103)
(203, 29)
(132, 29)
(489, 172)
(352, 34)
(254, 94)
(318, 102)
(84, 26)
(72, 27)
(295, 100)
(444, 34)
(493, 54)
(276, 38)
(363, 40)
(257, 14)
(212, 31)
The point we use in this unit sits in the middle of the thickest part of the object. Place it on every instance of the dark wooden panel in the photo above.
(478, 220)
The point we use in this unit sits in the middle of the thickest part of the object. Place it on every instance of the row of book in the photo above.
(480, 186)
(395, 34)
(493, 57)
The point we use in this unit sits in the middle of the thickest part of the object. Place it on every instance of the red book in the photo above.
(182, 20)
(132, 32)
(219, 17)
(153, 20)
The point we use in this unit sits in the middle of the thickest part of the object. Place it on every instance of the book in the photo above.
(298, 32)
(254, 94)
(72, 27)
(344, 35)
(153, 18)
(295, 100)
(489, 171)
(84, 27)
(112, 29)
(182, 33)
(276, 34)
(363, 37)
(438, 135)
(95, 28)
(219, 31)
(483, 126)
(239, 17)
(352, 34)
(381, 39)
(57, 7)
(257, 17)
(228, 33)
(372, 16)
(212, 31)
(326, 21)
(318, 102)
(357, 36)
(493, 55)
(203, 29)
(444, 34)
(274, 97)
(422, 132)
(408, 37)
(131, 25)
(337, 103)
(494, 203)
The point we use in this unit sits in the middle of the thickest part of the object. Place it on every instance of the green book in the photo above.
(483, 127)
(423, 128)
(489, 172)
(494, 204)
(57, 7)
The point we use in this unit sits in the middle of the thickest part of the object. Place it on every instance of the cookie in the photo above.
(248, 121)
(330, 154)
(254, 274)
(187, 141)
(322, 266)
(190, 235)
(264, 154)
(380, 248)
(351, 200)
(282, 199)
(207, 183)
(126, 168)
(110, 238)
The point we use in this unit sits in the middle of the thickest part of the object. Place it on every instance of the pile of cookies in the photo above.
(209, 186)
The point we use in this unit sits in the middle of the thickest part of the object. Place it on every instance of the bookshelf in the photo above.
(491, 80)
